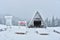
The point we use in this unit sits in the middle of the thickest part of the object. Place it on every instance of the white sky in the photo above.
(26, 8)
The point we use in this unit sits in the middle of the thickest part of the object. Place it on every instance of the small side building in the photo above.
(22, 23)
(8, 20)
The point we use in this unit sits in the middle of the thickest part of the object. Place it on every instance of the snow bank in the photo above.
(19, 29)
(57, 29)
(42, 31)
(2, 26)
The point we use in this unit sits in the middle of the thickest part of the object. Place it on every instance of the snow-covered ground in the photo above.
(2, 26)
(10, 34)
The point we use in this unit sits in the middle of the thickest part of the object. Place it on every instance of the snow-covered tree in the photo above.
(48, 22)
(53, 21)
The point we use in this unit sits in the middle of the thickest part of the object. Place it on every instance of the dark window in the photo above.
(37, 23)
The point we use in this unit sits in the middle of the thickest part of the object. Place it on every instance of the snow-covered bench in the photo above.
(42, 31)
(21, 30)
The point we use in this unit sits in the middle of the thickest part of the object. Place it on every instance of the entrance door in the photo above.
(37, 23)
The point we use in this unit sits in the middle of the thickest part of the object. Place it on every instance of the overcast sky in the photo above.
(26, 8)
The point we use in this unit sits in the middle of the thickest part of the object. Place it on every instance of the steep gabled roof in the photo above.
(36, 16)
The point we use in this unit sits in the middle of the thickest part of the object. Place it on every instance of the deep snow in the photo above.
(10, 34)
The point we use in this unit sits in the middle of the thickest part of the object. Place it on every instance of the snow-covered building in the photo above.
(22, 23)
(37, 21)
(8, 20)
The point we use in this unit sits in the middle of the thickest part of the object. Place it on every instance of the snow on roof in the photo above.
(37, 15)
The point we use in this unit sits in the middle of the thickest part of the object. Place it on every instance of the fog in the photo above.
(26, 8)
